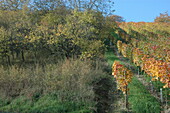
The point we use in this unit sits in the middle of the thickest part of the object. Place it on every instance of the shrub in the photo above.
(71, 85)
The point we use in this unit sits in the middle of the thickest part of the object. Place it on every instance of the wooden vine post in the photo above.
(126, 97)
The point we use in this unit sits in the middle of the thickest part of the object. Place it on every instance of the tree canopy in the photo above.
(61, 28)
(163, 17)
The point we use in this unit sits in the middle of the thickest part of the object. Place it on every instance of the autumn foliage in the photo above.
(122, 75)
(148, 48)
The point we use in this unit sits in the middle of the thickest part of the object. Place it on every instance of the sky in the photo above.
(140, 10)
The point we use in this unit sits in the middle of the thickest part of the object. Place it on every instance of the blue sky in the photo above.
(140, 10)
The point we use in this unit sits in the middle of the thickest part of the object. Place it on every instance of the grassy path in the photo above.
(141, 78)
(118, 104)
(140, 99)
(148, 84)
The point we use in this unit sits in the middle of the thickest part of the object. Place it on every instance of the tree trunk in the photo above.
(22, 55)
(3, 59)
(138, 70)
(126, 99)
(8, 60)
(13, 57)
(17, 54)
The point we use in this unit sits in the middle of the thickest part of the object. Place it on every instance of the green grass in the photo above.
(141, 100)
(110, 57)
(45, 104)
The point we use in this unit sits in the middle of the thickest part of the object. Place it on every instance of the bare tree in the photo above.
(104, 6)
(13, 4)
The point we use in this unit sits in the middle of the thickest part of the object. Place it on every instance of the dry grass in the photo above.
(69, 79)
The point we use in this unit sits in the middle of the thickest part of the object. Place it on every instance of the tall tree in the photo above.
(163, 17)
